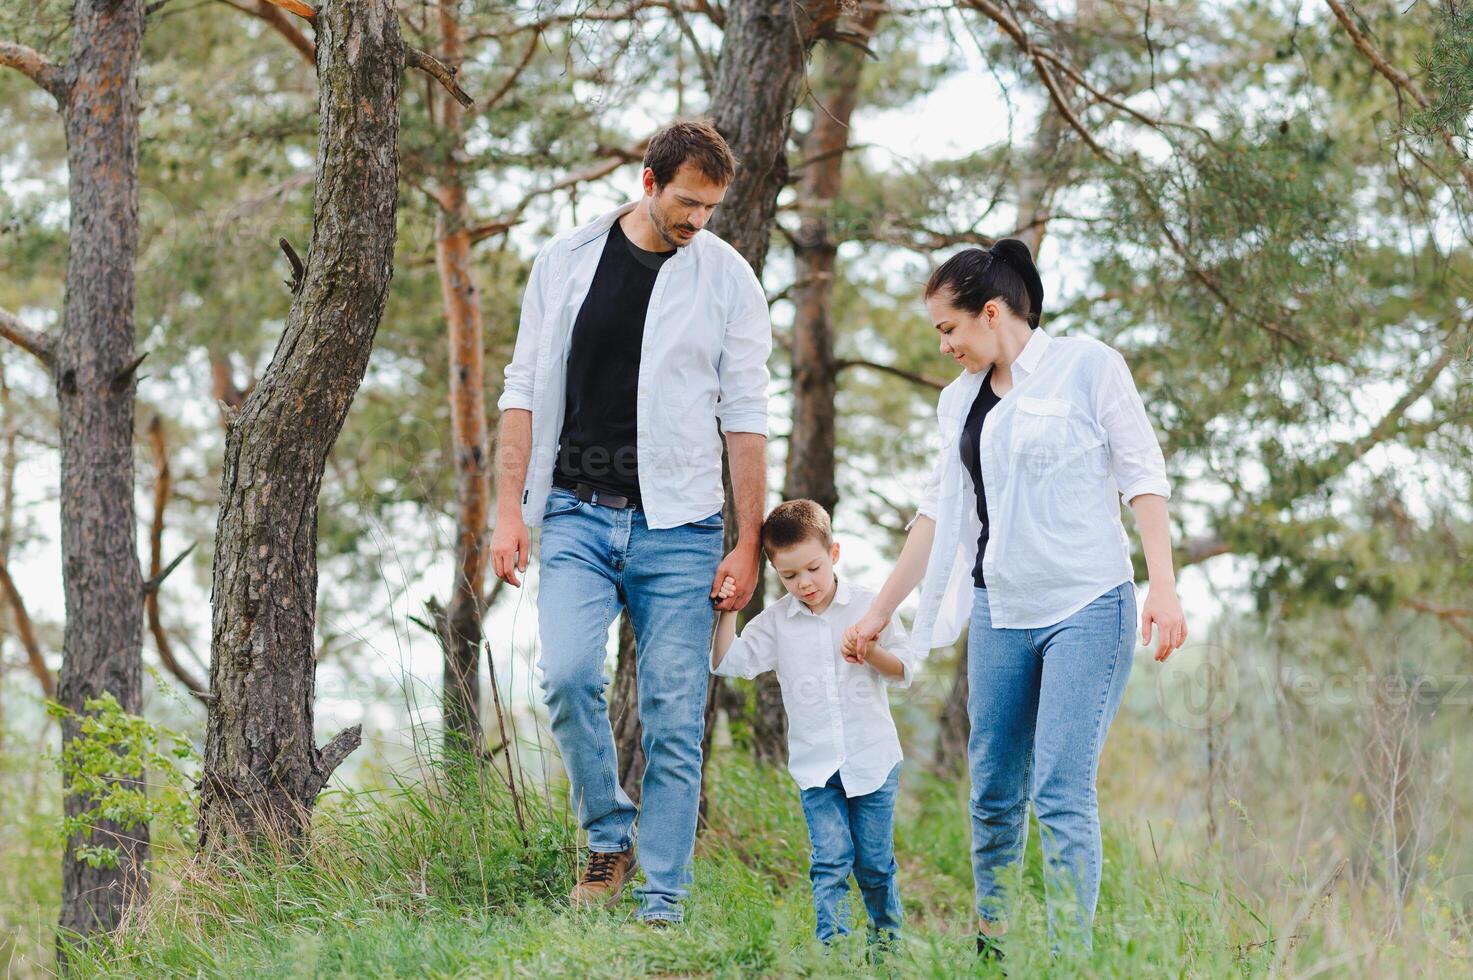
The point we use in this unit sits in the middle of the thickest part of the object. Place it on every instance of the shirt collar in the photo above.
(1032, 352)
(841, 598)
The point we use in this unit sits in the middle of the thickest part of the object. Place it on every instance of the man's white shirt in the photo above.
(838, 712)
(703, 358)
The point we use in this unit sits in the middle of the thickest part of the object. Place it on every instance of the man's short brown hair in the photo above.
(795, 521)
(693, 141)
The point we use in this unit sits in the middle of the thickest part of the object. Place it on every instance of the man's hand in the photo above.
(858, 637)
(1163, 609)
(741, 567)
(510, 544)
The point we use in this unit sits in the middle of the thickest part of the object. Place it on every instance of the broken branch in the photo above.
(439, 71)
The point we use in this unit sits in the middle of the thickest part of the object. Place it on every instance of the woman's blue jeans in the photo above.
(1041, 702)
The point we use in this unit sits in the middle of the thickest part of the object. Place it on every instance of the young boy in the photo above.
(842, 746)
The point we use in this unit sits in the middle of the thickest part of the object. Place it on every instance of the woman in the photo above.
(1041, 437)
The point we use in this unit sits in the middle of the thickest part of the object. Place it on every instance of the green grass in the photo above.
(440, 878)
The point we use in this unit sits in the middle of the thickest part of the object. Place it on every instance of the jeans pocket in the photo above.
(560, 501)
(713, 523)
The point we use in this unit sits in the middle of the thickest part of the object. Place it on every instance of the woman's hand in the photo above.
(1163, 609)
(858, 637)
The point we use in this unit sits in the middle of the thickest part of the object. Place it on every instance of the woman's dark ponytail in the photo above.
(1005, 271)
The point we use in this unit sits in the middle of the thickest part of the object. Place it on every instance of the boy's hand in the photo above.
(858, 637)
(727, 590)
(740, 566)
(851, 654)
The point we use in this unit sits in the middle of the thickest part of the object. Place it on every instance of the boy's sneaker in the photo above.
(603, 880)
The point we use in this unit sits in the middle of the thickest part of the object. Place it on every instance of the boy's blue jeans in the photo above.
(595, 560)
(1041, 702)
(853, 834)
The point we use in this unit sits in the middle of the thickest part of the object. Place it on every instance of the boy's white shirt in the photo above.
(838, 712)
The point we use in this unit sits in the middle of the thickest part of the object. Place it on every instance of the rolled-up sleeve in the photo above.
(1136, 461)
(745, 348)
(521, 370)
(754, 651)
(895, 639)
(930, 505)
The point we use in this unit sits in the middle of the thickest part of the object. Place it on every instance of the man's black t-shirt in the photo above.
(598, 442)
(971, 434)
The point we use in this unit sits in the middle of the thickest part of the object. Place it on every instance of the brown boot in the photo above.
(603, 879)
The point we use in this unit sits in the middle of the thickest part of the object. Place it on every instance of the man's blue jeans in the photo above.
(853, 833)
(1041, 702)
(594, 561)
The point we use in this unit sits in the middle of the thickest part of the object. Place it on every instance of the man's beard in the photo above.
(665, 228)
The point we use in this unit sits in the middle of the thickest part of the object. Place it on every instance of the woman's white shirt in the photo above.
(1057, 454)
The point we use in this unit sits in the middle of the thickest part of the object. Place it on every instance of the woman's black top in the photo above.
(971, 436)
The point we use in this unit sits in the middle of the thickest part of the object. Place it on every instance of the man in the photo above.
(643, 339)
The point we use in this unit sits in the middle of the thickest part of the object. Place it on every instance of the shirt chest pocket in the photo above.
(1052, 428)
(1042, 426)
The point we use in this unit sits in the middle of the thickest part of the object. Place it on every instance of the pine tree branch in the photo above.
(33, 341)
(413, 57)
(1041, 67)
(1402, 82)
(911, 376)
(37, 67)
(26, 631)
(272, 15)
(438, 70)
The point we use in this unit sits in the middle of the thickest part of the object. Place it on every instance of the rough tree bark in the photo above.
(92, 364)
(810, 468)
(459, 628)
(763, 56)
(262, 769)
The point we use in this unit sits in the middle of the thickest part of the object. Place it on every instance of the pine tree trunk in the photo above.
(262, 769)
(94, 376)
(811, 462)
(811, 459)
(764, 44)
(460, 631)
(763, 53)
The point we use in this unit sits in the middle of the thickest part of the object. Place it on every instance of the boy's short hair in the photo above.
(794, 521)
(693, 141)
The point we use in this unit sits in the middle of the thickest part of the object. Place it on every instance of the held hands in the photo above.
(510, 544)
(857, 638)
(740, 567)
(1163, 609)
(727, 590)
